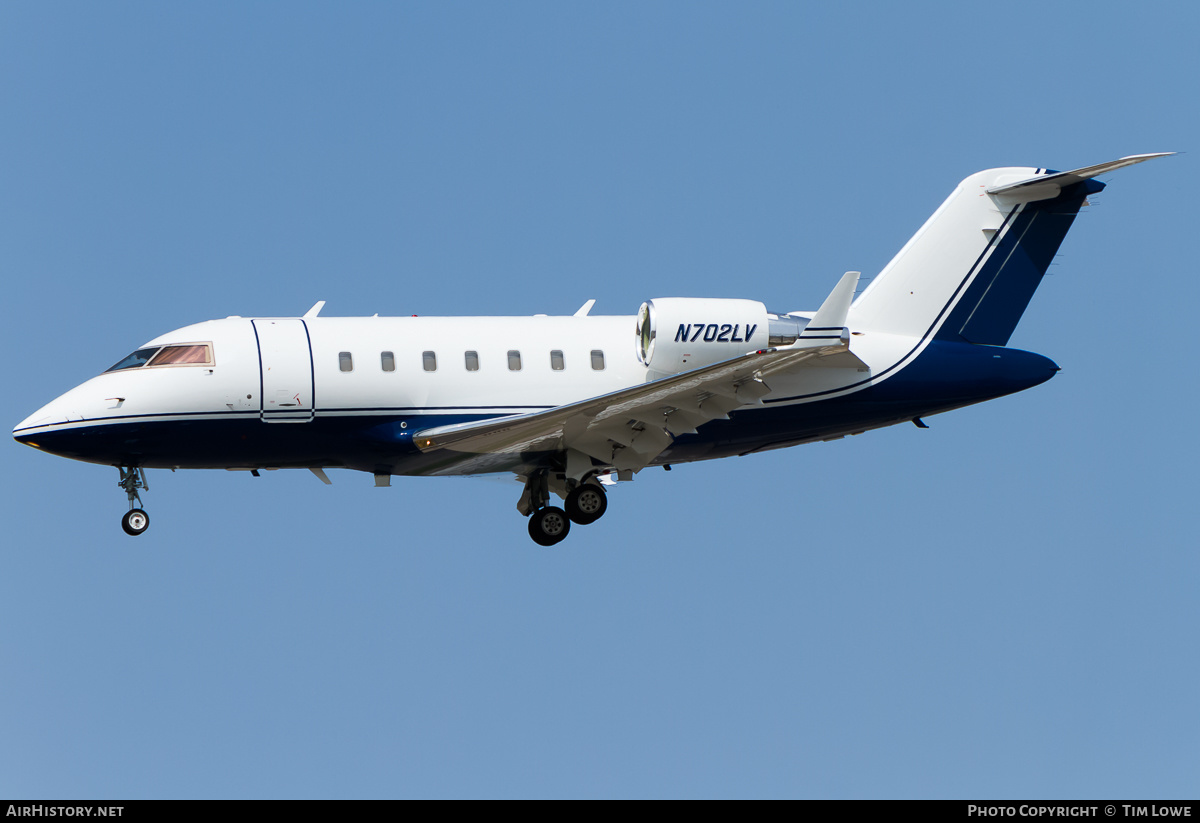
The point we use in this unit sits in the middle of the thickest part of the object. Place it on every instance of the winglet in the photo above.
(315, 310)
(1046, 186)
(585, 308)
(832, 314)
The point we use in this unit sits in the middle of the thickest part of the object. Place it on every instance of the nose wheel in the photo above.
(135, 520)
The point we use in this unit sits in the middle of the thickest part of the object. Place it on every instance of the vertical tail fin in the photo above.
(970, 271)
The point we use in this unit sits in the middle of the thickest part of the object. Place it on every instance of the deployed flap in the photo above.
(1046, 186)
(629, 428)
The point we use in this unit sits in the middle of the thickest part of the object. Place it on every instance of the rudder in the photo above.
(992, 304)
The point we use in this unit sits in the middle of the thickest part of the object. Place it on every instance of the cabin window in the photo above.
(597, 360)
(387, 360)
(345, 361)
(514, 360)
(135, 360)
(197, 354)
(556, 360)
(428, 361)
(472, 358)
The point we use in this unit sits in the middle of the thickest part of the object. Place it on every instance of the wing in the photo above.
(627, 429)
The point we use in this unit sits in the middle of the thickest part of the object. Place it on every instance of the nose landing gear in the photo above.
(135, 520)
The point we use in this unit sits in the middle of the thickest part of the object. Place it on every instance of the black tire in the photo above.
(135, 522)
(549, 526)
(586, 504)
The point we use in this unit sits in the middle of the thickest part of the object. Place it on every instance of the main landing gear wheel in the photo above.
(586, 504)
(549, 526)
(135, 522)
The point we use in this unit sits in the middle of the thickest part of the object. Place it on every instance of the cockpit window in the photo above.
(133, 361)
(196, 354)
(191, 354)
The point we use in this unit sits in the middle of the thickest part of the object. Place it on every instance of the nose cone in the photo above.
(43, 423)
(58, 426)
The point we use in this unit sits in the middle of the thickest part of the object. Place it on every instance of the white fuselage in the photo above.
(328, 392)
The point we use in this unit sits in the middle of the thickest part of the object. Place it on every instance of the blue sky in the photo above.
(1003, 605)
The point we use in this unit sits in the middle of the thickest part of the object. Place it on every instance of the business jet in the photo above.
(573, 405)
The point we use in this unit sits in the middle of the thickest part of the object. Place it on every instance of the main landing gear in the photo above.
(135, 520)
(585, 503)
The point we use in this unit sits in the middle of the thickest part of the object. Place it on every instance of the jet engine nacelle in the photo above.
(677, 334)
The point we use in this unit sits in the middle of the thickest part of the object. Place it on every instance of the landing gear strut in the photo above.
(135, 520)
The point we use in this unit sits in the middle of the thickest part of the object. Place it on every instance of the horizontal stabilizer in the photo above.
(1046, 186)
